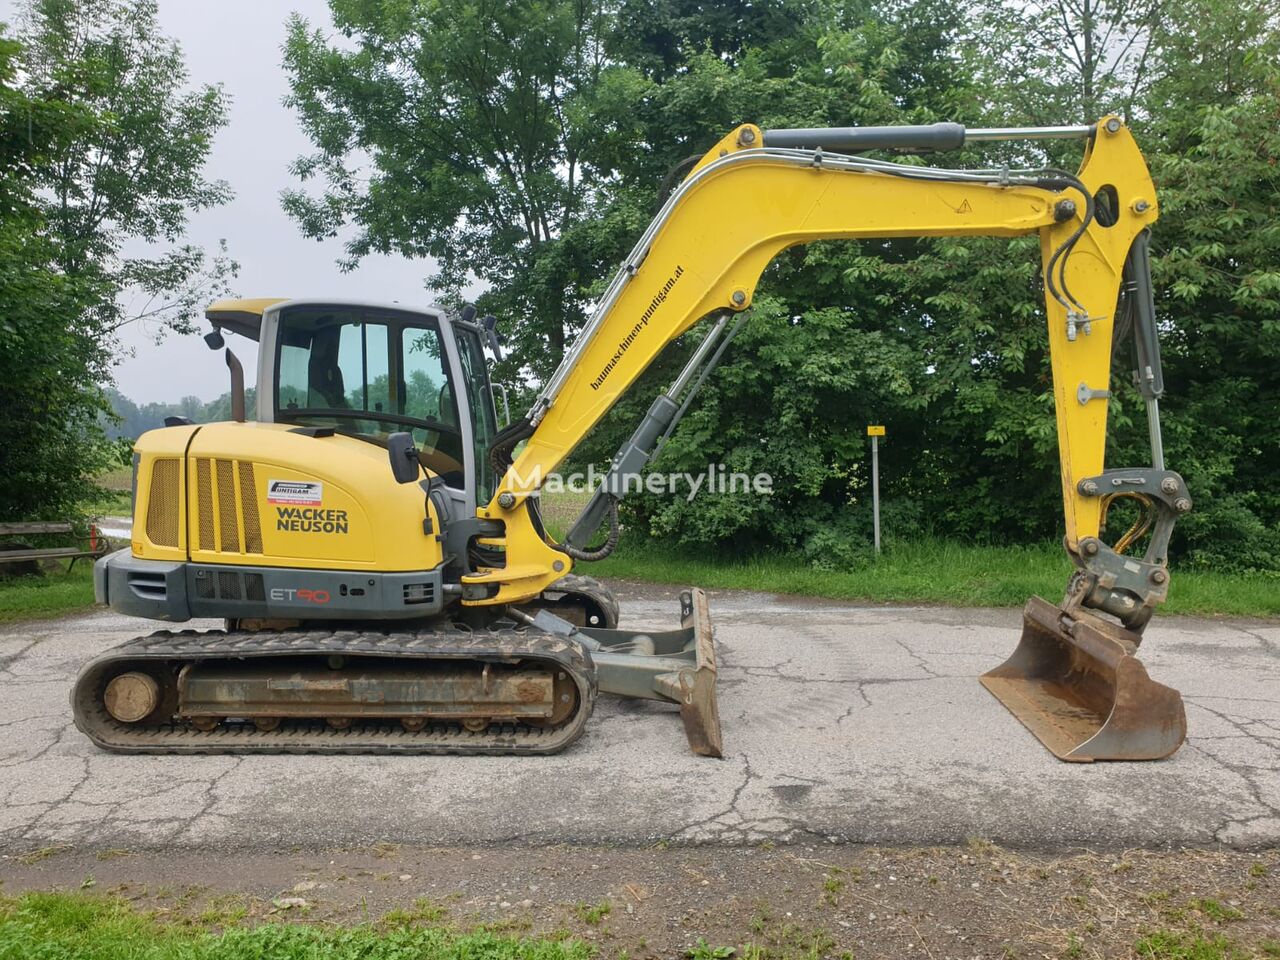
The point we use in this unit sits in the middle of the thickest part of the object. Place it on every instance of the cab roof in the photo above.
(240, 316)
(245, 316)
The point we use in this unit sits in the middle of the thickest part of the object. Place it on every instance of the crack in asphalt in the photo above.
(1246, 772)
(717, 827)
(920, 661)
(211, 798)
(9, 659)
(729, 805)
(1268, 645)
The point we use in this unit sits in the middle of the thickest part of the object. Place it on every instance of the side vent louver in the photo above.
(228, 508)
(249, 504)
(149, 586)
(162, 502)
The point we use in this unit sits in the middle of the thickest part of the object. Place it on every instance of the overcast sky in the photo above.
(237, 43)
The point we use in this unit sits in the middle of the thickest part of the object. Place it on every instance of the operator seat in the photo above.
(324, 376)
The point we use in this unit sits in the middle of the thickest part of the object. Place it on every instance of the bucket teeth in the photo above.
(1076, 683)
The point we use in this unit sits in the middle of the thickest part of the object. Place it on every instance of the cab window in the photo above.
(340, 365)
(370, 375)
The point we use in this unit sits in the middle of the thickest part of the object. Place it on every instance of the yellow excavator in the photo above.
(374, 541)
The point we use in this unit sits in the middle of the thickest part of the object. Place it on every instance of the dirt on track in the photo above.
(787, 901)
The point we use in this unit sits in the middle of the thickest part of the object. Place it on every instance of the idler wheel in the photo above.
(132, 696)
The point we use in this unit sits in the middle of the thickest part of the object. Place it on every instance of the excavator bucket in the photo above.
(1076, 683)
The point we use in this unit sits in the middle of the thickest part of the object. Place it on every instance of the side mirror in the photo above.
(213, 339)
(490, 324)
(403, 453)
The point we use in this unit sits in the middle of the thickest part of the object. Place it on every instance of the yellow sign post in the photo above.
(875, 432)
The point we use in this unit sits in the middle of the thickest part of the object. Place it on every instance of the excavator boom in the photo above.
(757, 193)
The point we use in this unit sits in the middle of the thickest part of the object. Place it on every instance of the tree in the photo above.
(132, 179)
(102, 150)
(953, 328)
(464, 115)
(50, 362)
(1214, 109)
(834, 340)
(1070, 59)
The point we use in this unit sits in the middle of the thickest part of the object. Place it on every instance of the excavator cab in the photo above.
(372, 371)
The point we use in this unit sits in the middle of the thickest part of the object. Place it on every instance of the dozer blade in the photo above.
(675, 666)
(1075, 682)
(699, 709)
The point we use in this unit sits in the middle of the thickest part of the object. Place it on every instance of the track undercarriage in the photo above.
(524, 683)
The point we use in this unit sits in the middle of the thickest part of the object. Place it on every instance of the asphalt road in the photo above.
(842, 723)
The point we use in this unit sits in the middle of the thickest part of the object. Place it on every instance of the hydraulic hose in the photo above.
(597, 553)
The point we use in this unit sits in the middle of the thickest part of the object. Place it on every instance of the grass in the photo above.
(62, 925)
(63, 591)
(930, 572)
(424, 910)
(925, 571)
(42, 853)
(1181, 945)
(116, 498)
(1216, 910)
(51, 595)
(111, 503)
(593, 913)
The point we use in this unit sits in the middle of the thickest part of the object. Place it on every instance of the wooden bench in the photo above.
(95, 545)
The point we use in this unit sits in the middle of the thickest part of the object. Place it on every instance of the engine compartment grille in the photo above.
(229, 585)
(227, 506)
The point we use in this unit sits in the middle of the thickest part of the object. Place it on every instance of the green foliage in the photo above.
(941, 339)
(130, 420)
(135, 173)
(593, 913)
(1179, 945)
(944, 340)
(50, 361)
(54, 926)
(705, 951)
(468, 115)
(102, 148)
(1217, 263)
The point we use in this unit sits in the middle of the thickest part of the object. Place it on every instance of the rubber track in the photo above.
(576, 583)
(502, 643)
